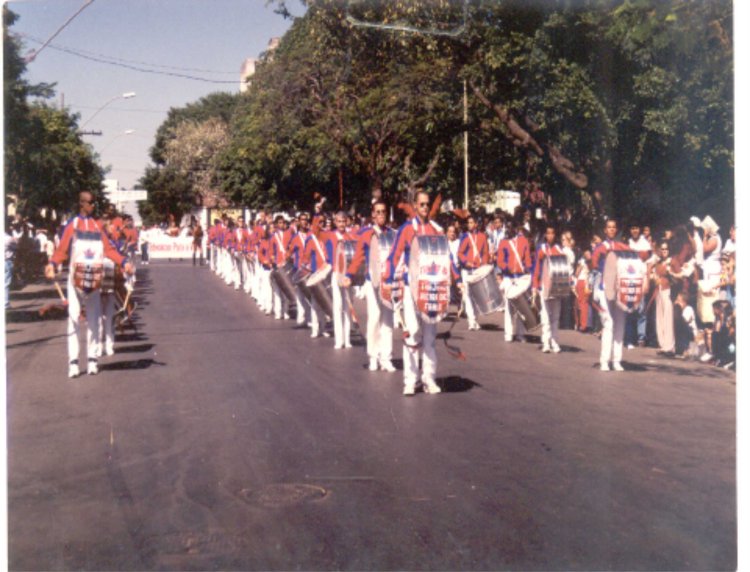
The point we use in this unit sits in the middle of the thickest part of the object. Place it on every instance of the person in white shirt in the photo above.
(635, 327)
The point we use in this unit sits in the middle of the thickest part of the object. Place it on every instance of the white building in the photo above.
(125, 201)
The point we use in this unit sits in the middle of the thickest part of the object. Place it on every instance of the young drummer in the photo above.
(550, 311)
(473, 252)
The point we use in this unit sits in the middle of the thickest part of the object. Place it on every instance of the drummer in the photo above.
(295, 254)
(279, 245)
(473, 252)
(415, 329)
(314, 258)
(610, 314)
(379, 316)
(339, 294)
(514, 262)
(550, 307)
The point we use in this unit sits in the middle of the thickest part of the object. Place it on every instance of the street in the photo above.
(219, 438)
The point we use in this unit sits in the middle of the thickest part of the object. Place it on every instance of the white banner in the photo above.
(163, 246)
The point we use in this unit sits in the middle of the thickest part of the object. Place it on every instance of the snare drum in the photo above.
(344, 253)
(555, 277)
(380, 247)
(282, 276)
(515, 287)
(430, 276)
(624, 279)
(319, 284)
(484, 291)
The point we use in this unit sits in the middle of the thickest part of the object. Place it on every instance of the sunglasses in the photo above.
(379, 211)
(423, 204)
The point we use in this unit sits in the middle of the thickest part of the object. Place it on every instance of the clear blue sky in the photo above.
(203, 38)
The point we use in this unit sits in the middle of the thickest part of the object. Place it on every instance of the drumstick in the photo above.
(60, 292)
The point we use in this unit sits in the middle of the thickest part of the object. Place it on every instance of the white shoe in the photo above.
(286, 317)
(338, 347)
(546, 349)
(73, 370)
(508, 340)
(326, 334)
(93, 368)
(555, 348)
(432, 388)
(706, 357)
(387, 366)
(631, 346)
(617, 366)
(604, 366)
(373, 365)
(408, 390)
(348, 346)
(314, 334)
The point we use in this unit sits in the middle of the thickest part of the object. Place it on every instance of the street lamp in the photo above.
(127, 95)
(115, 138)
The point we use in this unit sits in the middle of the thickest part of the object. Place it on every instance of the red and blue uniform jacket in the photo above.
(473, 250)
(599, 256)
(362, 252)
(508, 262)
(279, 241)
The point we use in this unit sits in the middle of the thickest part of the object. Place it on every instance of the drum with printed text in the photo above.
(430, 276)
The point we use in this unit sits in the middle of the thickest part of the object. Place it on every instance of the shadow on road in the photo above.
(132, 364)
(135, 349)
(456, 384)
(27, 316)
(34, 294)
(36, 341)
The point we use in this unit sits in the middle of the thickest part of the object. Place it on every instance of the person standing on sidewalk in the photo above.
(85, 244)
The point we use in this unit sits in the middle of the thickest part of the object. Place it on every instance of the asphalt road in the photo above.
(218, 438)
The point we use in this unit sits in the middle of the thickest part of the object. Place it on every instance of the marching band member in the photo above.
(379, 317)
(514, 261)
(340, 295)
(265, 265)
(238, 257)
(296, 254)
(610, 314)
(213, 232)
(414, 326)
(314, 258)
(550, 310)
(473, 252)
(229, 245)
(279, 245)
(85, 244)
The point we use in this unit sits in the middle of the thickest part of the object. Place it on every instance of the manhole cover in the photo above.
(283, 494)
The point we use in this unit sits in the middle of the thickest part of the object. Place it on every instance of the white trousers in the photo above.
(303, 308)
(613, 328)
(247, 275)
(471, 314)
(419, 332)
(379, 327)
(342, 323)
(92, 303)
(550, 315)
(318, 319)
(236, 271)
(278, 301)
(212, 263)
(513, 323)
(107, 339)
(266, 292)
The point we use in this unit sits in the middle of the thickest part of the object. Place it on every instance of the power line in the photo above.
(143, 70)
(122, 60)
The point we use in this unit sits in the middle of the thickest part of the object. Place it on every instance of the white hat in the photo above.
(709, 225)
(695, 220)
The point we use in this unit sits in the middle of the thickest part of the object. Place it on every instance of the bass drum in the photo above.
(319, 285)
(282, 276)
(344, 253)
(555, 277)
(484, 291)
(624, 279)
(380, 247)
(430, 276)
